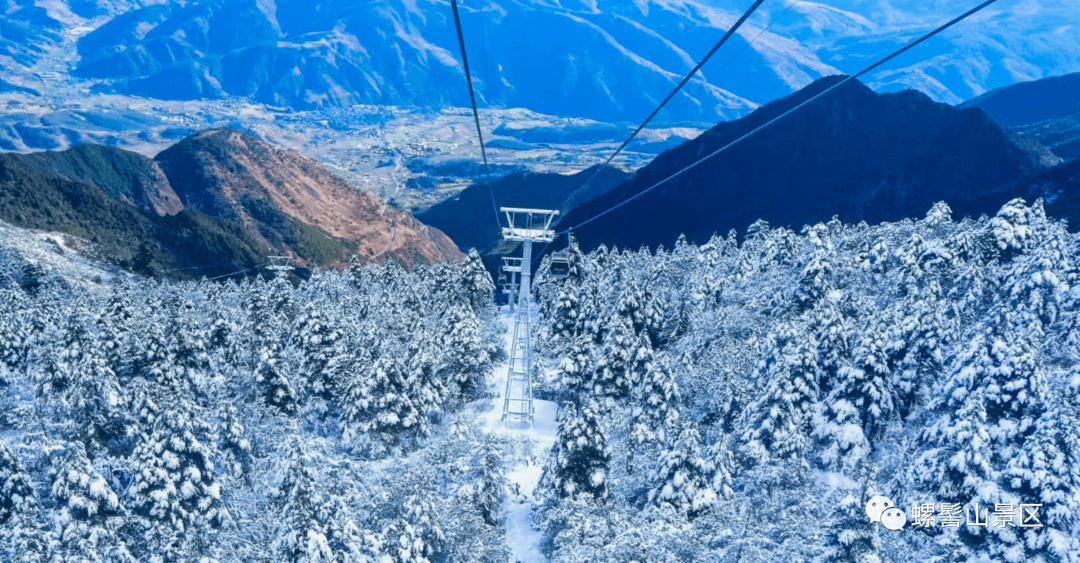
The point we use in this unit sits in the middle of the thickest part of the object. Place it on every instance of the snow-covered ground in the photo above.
(60, 253)
(524, 473)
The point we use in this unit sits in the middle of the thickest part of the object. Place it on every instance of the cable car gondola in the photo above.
(560, 265)
(559, 268)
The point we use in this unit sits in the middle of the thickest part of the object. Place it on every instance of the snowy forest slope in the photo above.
(735, 401)
(741, 402)
(171, 422)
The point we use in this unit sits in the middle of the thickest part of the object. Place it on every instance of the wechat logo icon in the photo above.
(882, 509)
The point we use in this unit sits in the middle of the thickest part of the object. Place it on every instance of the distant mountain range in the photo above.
(854, 153)
(608, 60)
(217, 202)
(1047, 110)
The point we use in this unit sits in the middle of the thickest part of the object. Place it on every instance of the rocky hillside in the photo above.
(288, 201)
(217, 202)
(857, 154)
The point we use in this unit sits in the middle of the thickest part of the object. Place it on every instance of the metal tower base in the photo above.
(518, 398)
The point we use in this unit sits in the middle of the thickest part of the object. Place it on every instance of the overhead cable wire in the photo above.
(476, 112)
(236, 273)
(682, 83)
(218, 265)
(758, 36)
(855, 76)
(734, 57)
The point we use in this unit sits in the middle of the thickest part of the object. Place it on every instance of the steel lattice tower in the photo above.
(525, 226)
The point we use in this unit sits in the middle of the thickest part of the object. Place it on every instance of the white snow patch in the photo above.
(522, 538)
(834, 480)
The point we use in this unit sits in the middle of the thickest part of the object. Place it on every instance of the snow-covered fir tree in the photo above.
(680, 478)
(90, 515)
(579, 460)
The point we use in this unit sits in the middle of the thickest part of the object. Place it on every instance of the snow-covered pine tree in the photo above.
(490, 483)
(853, 413)
(174, 484)
(641, 309)
(427, 390)
(707, 280)
(564, 320)
(1033, 284)
(577, 264)
(720, 466)
(113, 323)
(423, 516)
(233, 441)
(681, 476)
(815, 283)
(402, 543)
(654, 408)
(379, 400)
(574, 373)
(612, 377)
(14, 332)
(986, 411)
(851, 538)
(474, 282)
(918, 339)
(90, 515)
(283, 300)
(302, 538)
(16, 487)
(99, 405)
(833, 331)
(578, 464)
(778, 422)
(188, 347)
(467, 361)
(1013, 229)
(322, 354)
(22, 537)
(272, 380)
(1043, 473)
(61, 360)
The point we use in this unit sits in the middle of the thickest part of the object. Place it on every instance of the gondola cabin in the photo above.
(560, 265)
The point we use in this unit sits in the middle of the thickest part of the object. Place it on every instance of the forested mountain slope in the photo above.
(735, 401)
(124, 175)
(1047, 110)
(181, 245)
(195, 421)
(216, 203)
(743, 401)
(853, 153)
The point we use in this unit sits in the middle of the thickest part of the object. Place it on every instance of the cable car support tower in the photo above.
(525, 226)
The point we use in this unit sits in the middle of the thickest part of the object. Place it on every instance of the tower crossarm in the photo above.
(529, 224)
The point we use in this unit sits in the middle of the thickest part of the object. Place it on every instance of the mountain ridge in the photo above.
(288, 200)
(218, 201)
(854, 153)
